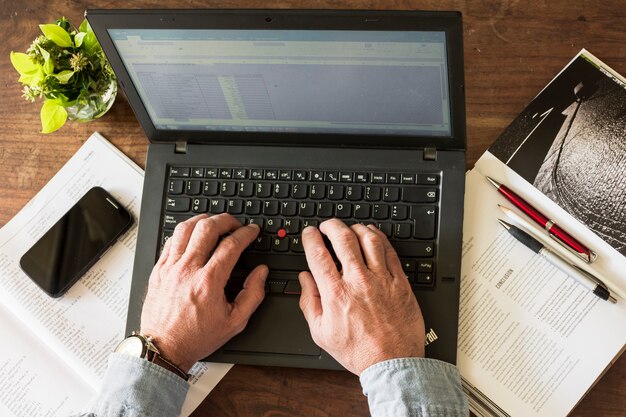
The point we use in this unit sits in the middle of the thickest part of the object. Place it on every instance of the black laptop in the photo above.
(286, 118)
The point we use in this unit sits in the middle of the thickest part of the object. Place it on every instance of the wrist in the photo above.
(143, 346)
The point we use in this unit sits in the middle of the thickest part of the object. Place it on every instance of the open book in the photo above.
(533, 341)
(54, 352)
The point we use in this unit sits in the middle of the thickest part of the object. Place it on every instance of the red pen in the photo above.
(552, 228)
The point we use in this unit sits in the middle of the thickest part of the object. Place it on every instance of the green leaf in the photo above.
(64, 76)
(90, 41)
(23, 63)
(57, 35)
(84, 26)
(48, 66)
(78, 39)
(53, 116)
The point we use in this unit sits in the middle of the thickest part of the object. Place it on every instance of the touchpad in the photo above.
(278, 326)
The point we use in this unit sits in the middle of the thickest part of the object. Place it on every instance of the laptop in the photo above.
(286, 118)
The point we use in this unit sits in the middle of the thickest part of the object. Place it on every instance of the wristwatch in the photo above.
(141, 346)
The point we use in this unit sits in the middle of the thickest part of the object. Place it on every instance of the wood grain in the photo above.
(512, 49)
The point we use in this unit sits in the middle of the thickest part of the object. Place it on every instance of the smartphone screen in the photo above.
(76, 242)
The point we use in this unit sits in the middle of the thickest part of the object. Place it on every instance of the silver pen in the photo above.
(587, 280)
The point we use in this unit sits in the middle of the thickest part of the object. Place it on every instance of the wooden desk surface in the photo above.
(512, 49)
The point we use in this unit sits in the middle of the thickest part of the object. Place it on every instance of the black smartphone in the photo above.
(66, 251)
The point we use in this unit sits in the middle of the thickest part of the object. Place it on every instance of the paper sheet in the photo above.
(81, 328)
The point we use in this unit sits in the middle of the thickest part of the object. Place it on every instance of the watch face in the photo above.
(132, 346)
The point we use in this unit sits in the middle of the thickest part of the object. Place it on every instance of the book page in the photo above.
(84, 325)
(531, 338)
(30, 375)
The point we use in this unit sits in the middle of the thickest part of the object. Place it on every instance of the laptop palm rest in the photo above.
(278, 326)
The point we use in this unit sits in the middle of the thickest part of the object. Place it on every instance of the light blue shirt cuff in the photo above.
(414, 387)
(134, 387)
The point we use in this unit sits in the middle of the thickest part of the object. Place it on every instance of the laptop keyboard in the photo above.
(404, 206)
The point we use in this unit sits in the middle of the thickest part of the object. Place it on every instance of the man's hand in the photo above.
(365, 313)
(186, 311)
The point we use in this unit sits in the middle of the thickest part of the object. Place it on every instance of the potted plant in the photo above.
(67, 68)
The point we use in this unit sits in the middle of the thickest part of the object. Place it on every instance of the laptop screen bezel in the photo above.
(449, 22)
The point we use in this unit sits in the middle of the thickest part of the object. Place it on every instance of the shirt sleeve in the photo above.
(134, 387)
(415, 387)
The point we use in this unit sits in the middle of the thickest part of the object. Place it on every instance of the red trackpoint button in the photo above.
(282, 233)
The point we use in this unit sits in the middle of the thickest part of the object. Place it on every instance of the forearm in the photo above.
(134, 387)
(415, 387)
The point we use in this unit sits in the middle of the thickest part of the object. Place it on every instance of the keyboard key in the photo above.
(317, 176)
(361, 211)
(263, 189)
(299, 175)
(176, 187)
(380, 211)
(296, 245)
(407, 178)
(210, 188)
(193, 187)
(424, 278)
(408, 265)
(262, 243)
(179, 172)
(210, 173)
(317, 191)
(354, 192)
(228, 188)
(270, 207)
(246, 189)
(171, 220)
(217, 205)
(256, 174)
(280, 244)
(199, 205)
(386, 228)
(332, 176)
(281, 190)
(361, 177)
(391, 194)
(306, 209)
(271, 174)
(325, 210)
(241, 174)
(372, 193)
(293, 287)
(310, 222)
(253, 207)
(180, 204)
(402, 230)
(424, 266)
(225, 173)
(393, 179)
(343, 210)
(299, 191)
(425, 220)
(399, 212)
(427, 179)
(413, 249)
(378, 178)
(419, 195)
(285, 174)
(335, 192)
(234, 207)
(273, 225)
(346, 176)
(288, 208)
(259, 221)
(197, 172)
(291, 226)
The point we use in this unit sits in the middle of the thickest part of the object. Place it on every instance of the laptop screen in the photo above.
(300, 81)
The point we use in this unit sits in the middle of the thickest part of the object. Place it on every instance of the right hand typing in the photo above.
(366, 313)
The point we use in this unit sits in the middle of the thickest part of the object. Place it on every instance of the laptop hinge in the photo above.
(181, 146)
(430, 154)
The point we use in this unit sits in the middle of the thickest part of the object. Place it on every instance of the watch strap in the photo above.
(156, 358)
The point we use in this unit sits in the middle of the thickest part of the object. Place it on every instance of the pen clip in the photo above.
(592, 255)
